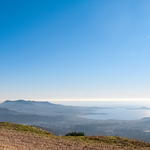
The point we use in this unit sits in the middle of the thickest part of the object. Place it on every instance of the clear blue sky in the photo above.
(75, 49)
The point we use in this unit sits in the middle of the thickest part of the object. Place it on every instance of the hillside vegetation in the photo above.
(16, 137)
(23, 128)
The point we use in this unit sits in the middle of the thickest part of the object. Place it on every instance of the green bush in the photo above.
(75, 134)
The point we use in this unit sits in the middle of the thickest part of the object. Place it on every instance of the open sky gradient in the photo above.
(75, 49)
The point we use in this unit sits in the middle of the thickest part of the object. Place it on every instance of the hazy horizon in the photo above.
(109, 104)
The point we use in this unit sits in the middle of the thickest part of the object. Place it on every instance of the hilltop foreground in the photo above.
(23, 137)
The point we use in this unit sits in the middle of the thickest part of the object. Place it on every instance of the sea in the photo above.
(113, 110)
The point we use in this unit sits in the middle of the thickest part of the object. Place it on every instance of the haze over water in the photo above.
(119, 110)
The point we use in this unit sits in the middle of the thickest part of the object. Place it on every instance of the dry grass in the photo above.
(20, 137)
(23, 128)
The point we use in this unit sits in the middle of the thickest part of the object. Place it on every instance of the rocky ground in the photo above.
(18, 138)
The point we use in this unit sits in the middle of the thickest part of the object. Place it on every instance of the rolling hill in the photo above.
(16, 137)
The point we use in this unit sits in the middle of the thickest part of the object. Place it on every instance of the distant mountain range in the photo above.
(23, 102)
(44, 108)
(7, 111)
(60, 119)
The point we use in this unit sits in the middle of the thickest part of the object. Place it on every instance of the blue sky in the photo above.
(75, 49)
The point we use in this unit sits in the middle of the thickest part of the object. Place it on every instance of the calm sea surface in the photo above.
(123, 110)
(119, 114)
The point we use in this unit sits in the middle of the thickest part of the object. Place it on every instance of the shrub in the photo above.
(75, 134)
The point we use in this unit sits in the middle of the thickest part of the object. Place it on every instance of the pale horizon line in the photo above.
(50, 100)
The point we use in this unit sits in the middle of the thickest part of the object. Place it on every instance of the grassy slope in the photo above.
(118, 142)
(23, 128)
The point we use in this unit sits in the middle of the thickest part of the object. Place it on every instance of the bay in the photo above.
(119, 114)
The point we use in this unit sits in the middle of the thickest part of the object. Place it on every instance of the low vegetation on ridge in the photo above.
(23, 128)
(15, 137)
(75, 134)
